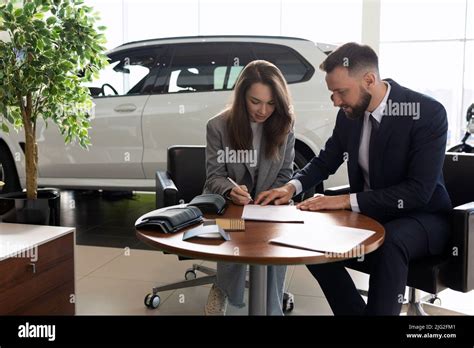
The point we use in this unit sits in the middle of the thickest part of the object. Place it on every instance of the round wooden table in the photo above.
(252, 246)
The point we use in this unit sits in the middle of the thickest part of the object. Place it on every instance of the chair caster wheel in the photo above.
(152, 301)
(190, 274)
(288, 302)
(435, 300)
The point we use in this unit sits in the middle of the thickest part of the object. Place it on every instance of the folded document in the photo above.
(329, 239)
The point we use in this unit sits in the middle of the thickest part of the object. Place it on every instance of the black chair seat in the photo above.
(427, 274)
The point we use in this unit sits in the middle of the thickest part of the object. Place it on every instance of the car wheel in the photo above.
(298, 164)
(8, 172)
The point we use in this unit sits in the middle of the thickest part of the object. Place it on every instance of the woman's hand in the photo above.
(240, 195)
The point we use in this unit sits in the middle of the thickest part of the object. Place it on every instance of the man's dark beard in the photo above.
(359, 110)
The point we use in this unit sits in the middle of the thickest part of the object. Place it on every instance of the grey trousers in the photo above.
(231, 280)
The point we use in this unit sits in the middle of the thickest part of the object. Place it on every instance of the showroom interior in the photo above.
(425, 45)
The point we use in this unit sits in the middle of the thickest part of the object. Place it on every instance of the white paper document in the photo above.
(331, 239)
(276, 213)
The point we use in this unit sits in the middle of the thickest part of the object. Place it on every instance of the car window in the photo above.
(241, 56)
(202, 67)
(126, 74)
(293, 67)
(196, 68)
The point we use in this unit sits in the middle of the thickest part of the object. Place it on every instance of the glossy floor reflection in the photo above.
(105, 218)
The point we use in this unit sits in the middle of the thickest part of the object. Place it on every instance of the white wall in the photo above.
(334, 21)
(428, 45)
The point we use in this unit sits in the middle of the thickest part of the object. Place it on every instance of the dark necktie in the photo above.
(375, 125)
(372, 145)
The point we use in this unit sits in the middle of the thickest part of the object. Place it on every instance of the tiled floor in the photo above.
(114, 271)
(114, 281)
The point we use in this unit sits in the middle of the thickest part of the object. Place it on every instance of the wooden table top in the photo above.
(252, 246)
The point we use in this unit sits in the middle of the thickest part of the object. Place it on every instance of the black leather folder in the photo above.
(209, 203)
(170, 220)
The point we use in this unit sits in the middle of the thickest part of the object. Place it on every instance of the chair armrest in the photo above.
(166, 191)
(461, 277)
(337, 190)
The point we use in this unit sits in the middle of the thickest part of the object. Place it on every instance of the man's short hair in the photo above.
(353, 56)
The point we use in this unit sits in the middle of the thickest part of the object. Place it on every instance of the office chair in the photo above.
(182, 181)
(455, 268)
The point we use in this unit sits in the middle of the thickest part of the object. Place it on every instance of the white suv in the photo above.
(158, 93)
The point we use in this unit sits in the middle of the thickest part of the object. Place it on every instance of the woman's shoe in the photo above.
(216, 302)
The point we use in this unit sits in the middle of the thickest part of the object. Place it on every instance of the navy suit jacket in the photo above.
(405, 169)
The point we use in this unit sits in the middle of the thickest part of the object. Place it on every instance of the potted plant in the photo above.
(52, 48)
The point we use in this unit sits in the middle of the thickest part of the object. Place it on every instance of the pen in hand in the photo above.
(236, 185)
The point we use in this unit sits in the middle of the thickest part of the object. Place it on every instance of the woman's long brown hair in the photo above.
(277, 126)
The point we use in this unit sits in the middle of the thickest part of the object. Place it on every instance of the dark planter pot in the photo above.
(15, 208)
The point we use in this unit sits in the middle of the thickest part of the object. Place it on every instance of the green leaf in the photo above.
(51, 20)
(18, 12)
(29, 8)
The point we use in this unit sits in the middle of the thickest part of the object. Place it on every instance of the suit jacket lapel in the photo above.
(355, 174)
(249, 173)
(386, 129)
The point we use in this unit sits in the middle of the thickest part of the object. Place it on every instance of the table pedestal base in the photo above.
(258, 290)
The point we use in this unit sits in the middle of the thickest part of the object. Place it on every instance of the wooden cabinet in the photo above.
(39, 281)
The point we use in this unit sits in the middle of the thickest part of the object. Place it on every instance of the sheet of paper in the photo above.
(330, 239)
(276, 213)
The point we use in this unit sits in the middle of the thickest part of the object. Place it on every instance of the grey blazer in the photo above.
(271, 173)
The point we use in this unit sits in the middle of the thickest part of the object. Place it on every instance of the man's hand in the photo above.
(240, 195)
(280, 195)
(322, 202)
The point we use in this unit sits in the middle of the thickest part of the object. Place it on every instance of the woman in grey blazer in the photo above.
(251, 142)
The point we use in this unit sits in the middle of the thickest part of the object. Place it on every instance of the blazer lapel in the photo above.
(248, 172)
(355, 173)
(386, 129)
